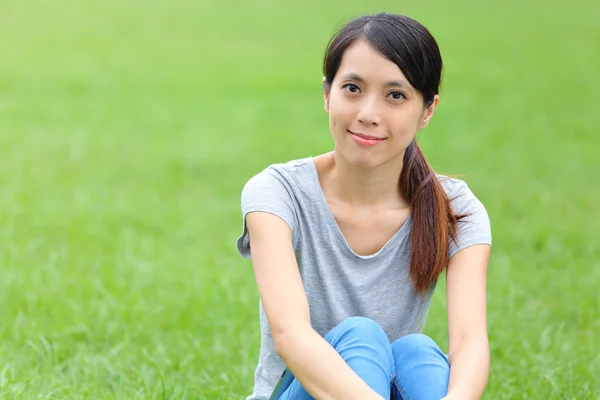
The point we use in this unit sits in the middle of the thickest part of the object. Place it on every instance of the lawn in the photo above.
(128, 129)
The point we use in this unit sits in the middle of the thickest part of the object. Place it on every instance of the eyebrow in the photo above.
(358, 78)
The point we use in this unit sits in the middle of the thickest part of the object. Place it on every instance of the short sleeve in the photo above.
(475, 227)
(269, 191)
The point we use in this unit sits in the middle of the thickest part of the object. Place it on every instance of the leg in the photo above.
(422, 369)
(364, 346)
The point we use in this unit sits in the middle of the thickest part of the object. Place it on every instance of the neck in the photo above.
(360, 186)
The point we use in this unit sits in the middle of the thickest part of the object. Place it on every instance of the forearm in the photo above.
(469, 368)
(320, 369)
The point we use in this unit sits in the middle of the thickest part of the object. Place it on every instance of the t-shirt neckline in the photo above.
(322, 200)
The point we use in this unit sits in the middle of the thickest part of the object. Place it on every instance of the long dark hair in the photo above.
(413, 49)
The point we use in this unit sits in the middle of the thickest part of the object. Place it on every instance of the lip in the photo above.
(365, 135)
(365, 140)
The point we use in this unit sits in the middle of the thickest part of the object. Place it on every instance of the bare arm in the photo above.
(467, 323)
(313, 361)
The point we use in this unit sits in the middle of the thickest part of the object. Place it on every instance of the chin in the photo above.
(361, 159)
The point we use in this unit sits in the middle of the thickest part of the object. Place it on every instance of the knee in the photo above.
(416, 346)
(359, 329)
(361, 326)
(362, 338)
(422, 369)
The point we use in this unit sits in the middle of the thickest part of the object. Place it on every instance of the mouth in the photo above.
(365, 138)
(365, 135)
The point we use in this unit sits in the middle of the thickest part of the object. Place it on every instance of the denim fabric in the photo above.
(411, 368)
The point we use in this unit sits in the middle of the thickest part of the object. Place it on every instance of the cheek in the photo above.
(340, 114)
(407, 123)
(333, 114)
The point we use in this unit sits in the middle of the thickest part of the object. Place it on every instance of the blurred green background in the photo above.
(128, 129)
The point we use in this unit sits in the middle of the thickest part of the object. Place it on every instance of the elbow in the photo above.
(286, 338)
(472, 344)
(468, 338)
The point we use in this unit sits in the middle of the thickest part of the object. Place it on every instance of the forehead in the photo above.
(363, 60)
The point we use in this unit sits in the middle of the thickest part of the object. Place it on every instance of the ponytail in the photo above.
(434, 221)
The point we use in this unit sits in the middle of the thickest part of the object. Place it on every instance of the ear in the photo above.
(326, 92)
(428, 113)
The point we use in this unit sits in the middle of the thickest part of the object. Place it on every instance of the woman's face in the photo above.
(374, 112)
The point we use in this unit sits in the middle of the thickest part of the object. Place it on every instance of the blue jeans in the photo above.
(411, 368)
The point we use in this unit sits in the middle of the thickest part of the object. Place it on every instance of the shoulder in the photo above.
(474, 227)
(277, 189)
(287, 174)
(452, 186)
(460, 194)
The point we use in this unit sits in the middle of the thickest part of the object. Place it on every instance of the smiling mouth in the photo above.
(365, 136)
(365, 140)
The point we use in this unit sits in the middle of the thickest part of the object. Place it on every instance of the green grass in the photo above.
(127, 130)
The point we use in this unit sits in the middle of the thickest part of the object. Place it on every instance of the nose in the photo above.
(368, 113)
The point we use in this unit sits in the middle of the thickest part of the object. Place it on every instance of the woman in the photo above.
(347, 246)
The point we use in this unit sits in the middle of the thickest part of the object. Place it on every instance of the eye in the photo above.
(396, 95)
(352, 88)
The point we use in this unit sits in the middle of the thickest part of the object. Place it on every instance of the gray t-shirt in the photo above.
(340, 283)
